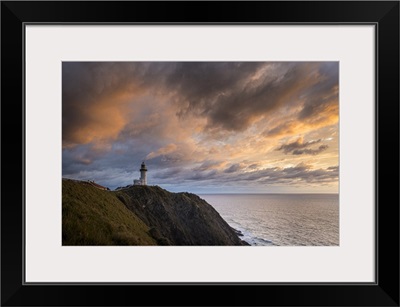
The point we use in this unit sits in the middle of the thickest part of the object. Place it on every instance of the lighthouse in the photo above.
(143, 177)
(143, 171)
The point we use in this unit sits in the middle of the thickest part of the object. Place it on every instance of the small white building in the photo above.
(143, 176)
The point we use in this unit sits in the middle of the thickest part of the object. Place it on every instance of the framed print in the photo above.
(241, 146)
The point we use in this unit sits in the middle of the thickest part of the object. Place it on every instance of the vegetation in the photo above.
(139, 215)
(91, 216)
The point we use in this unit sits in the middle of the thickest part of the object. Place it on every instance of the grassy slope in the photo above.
(94, 217)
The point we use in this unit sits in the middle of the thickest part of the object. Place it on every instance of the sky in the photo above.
(203, 127)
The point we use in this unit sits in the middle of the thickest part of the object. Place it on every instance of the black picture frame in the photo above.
(383, 14)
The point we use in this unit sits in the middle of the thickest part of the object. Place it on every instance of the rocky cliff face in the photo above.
(146, 214)
(178, 218)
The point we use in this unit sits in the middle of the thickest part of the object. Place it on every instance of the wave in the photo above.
(250, 238)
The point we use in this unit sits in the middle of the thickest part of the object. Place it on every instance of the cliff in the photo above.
(140, 215)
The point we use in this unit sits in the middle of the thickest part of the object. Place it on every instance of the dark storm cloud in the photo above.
(319, 102)
(92, 95)
(199, 81)
(323, 96)
(114, 115)
(229, 95)
(232, 95)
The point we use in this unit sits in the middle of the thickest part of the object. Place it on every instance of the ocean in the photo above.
(281, 219)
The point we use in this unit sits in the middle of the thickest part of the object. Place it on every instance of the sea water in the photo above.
(281, 219)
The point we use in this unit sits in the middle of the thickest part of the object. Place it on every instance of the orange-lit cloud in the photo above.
(162, 151)
(204, 121)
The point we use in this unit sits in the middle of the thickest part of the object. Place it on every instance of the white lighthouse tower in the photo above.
(143, 171)
(143, 177)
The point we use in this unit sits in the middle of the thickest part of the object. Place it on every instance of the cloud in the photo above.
(209, 165)
(105, 100)
(162, 151)
(308, 151)
(196, 120)
(298, 144)
(300, 173)
(232, 96)
(254, 166)
(299, 147)
(97, 97)
(200, 176)
(322, 98)
(169, 173)
(233, 168)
